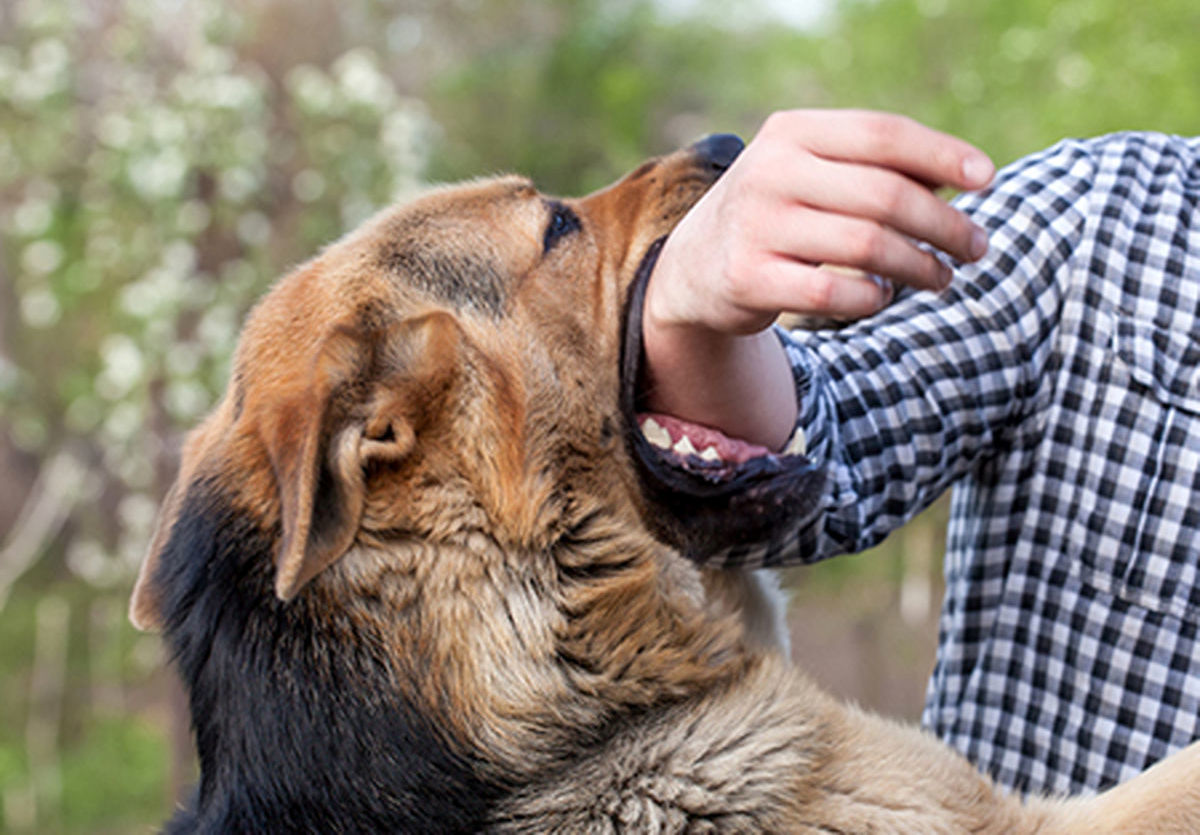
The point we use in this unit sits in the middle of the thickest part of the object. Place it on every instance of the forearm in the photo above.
(902, 405)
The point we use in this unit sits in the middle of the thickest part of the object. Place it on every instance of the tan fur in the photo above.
(428, 411)
(758, 599)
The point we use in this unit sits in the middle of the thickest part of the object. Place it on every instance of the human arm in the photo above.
(902, 404)
(849, 188)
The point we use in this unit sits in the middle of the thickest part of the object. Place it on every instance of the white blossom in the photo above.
(40, 308)
(42, 257)
(124, 366)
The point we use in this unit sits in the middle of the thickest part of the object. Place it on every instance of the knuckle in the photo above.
(891, 198)
(867, 246)
(779, 122)
(883, 131)
(946, 159)
(789, 128)
(738, 276)
(772, 124)
(876, 129)
(819, 291)
(772, 130)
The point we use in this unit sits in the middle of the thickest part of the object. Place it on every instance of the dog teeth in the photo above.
(684, 446)
(798, 445)
(656, 434)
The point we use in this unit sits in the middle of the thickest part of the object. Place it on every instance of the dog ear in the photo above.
(145, 604)
(319, 492)
(369, 392)
(321, 442)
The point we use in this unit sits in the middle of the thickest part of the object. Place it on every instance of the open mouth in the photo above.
(707, 491)
(704, 449)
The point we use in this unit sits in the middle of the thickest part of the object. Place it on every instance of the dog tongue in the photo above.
(665, 431)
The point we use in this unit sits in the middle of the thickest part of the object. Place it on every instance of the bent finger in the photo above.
(890, 199)
(819, 237)
(888, 140)
(791, 286)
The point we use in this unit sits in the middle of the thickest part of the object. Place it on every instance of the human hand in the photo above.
(813, 189)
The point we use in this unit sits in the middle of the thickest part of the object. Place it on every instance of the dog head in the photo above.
(457, 364)
(420, 544)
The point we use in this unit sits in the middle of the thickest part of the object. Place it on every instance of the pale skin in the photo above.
(814, 188)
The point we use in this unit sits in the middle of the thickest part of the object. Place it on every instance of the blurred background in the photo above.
(161, 161)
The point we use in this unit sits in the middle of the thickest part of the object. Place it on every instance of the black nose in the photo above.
(719, 150)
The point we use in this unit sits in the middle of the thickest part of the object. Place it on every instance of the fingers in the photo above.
(846, 188)
(886, 140)
(849, 241)
(887, 198)
(828, 292)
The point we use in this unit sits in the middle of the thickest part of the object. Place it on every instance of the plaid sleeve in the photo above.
(901, 405)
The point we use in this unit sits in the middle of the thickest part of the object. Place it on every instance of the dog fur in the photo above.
(418, 576)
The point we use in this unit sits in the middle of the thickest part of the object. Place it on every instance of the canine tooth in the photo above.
(684, 446)
(709, 453)
(798, 445)
(656, 434)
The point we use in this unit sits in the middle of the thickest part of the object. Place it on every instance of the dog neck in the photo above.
(593, 629)
(637, 617)
(412, 670)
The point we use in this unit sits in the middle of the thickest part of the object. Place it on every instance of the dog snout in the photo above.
(719, 150)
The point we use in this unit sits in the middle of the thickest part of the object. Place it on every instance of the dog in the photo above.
(421, 571)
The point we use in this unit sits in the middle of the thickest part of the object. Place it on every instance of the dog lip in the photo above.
(667, 468)
(686, 472)
(703, 506)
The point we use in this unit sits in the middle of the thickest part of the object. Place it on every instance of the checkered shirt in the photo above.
(1056, 386)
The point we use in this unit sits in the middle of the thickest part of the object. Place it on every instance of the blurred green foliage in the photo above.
(160, 164)
(1018, 75)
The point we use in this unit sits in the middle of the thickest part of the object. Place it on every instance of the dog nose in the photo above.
(719, 150)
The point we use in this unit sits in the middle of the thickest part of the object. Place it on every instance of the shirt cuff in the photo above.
(810, 435)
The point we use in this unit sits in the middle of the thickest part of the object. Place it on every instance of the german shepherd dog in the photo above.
(421, 571)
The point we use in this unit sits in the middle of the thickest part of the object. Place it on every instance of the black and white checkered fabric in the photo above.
(1056, 387)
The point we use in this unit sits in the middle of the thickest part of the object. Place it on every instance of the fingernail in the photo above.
(977, 170)
(945, 276)
(886, 290)
(979, 243)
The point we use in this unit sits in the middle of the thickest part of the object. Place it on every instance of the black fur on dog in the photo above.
(325, 742)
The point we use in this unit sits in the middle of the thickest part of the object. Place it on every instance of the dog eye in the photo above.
(563, 222)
